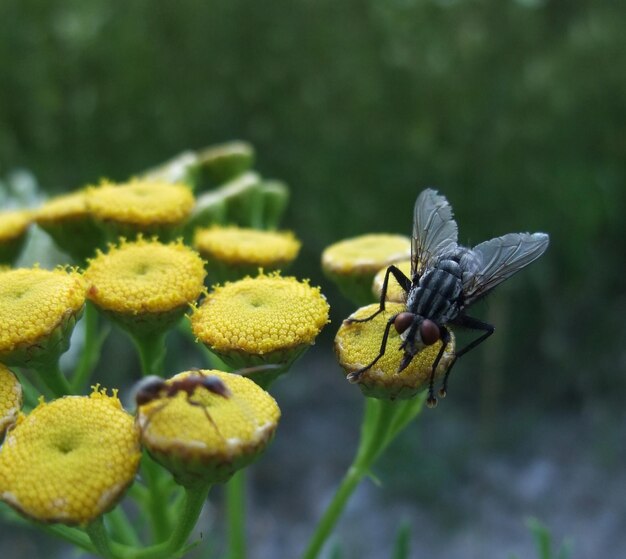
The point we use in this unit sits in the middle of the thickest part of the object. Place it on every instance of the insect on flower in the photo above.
(153, 388)
(446, 278)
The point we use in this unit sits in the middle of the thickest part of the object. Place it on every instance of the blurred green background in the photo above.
(514, 109)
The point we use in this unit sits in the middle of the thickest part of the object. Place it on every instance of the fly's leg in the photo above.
(431, 401)
(473, 324)
(403, 281)
(354, 375)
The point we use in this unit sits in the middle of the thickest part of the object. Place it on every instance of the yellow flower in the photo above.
(358, 343)
(145, 284)
(234, 252)
(38, 310)
(69, 222)
(206, 437)
(140, 206)
(268, 319)
(70, 460)
(353, 263)
(13, 228)
(10, 399)
(394, 292)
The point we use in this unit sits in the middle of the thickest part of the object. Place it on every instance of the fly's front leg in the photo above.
(354, 375)
(473, 324)
(403, 281)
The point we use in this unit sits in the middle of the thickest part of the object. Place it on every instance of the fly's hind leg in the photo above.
(473, 324)
(206, 413)
(403, 281)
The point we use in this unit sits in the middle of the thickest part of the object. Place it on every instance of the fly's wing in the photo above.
(499, 259)
(434, 230)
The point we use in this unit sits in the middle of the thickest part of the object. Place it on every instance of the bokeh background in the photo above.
(514, 109)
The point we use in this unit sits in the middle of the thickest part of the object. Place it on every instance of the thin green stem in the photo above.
(158, 497)
(121, 528)
(382, 421)
(91, 350)
(100, 538)
(236, 514)
(55, 380)
(74, 536)
(151, 349)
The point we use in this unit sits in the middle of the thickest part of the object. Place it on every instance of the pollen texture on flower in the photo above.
(261, 315)
(13, 224)
(145, 276)
(70, 460)
(33, 302)
(141, 203)
(395, 293)
(235, 245)
(358, 343)
(10, 398)
(365, 254)
(209, 436)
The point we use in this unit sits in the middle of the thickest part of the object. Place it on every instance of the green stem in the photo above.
(236, 514)
(55, 380)
(91, 349)
(100, 539)
(151, 348)
(121, 528)
(157, 499)
(74, 536)
(382, 421)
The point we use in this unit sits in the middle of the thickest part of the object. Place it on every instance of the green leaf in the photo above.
(402, 545)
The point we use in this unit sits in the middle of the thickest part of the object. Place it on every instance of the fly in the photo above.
(446, 279)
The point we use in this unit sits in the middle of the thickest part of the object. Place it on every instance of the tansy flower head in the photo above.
(353, 263)
(70, 460)
(395, 293)
(234, 252)
(140, 206)
(145, 285)
(358, 343)
(38, 310)
(68, 221)
(13, 228)
(202, 436)
(10, 399)
(268, 319)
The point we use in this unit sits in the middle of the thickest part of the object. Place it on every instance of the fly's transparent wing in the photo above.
(434, 230)
(500, 258)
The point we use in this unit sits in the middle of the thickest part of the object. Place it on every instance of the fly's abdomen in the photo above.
(437, 296)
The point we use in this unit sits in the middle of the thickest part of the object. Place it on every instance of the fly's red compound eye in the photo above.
(429, 332)
(403, 321)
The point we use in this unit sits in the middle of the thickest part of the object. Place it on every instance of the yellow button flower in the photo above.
(13, 228)
(353, 263)
(394, 292)
(235, 252)
(206, 437)
(268, 319)
(10, 399)
(69, 222)
(140, 206)
(145, 284)
(358, 343)
(70, 460)
(38, 310)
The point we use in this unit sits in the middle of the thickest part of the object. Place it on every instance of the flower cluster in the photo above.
(144, 251)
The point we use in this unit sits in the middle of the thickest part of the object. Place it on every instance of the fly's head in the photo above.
(416, 333)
